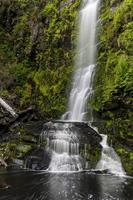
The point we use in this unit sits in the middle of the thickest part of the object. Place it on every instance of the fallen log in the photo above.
(8, 108)
(7, 121)
(22, 116)
(3, 163)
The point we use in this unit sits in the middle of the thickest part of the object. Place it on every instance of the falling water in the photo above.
(65, 149)
(64, 145)
(109, 159)
(85, 61)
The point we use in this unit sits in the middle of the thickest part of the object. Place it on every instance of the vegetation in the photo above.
(113, 80)
(37, 53)
(36, 61)
(118, 126)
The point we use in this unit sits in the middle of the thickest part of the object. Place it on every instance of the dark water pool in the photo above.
(64, 186)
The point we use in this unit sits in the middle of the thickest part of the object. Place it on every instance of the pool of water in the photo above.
(42, 185)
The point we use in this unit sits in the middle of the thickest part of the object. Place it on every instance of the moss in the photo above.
(41, 44)
(125, 38)
(19, 145)
(13, 149)
(113, 79)
(90, 153)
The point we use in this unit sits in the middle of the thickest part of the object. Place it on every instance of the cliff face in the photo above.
(37, 53)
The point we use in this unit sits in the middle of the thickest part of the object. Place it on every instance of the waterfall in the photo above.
(109, 159)
(84, 62)
(65, 150)
(64, 145)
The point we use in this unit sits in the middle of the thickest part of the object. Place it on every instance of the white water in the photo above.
(63, 143)
(109, 159)
(85, 62)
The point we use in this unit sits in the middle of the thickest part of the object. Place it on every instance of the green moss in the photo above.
(41, 43)
(19, 147)
(113, 79)
(125, 38)
(90, 153)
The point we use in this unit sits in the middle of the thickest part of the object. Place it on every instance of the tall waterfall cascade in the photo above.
(84, 62)
(65, 149)
(64, 143)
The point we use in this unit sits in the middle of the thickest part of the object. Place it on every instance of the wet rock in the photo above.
(71, 136)
(100, 171)
(38, 159)
(33, 128)
(9, 126)
(81, 129)
(15, 164)
(35, 152)
(29, 139)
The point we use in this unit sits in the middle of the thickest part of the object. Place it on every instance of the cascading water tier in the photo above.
(65, 150)
(70, 146)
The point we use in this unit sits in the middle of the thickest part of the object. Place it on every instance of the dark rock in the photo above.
(82, 129)
(29, 139)
(33, 128)
(105, 171)
(3, 185)
(38, 159)
(15, 164)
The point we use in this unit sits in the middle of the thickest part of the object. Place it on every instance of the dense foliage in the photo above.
(37, 52)
(113, 82)
(37, 49)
